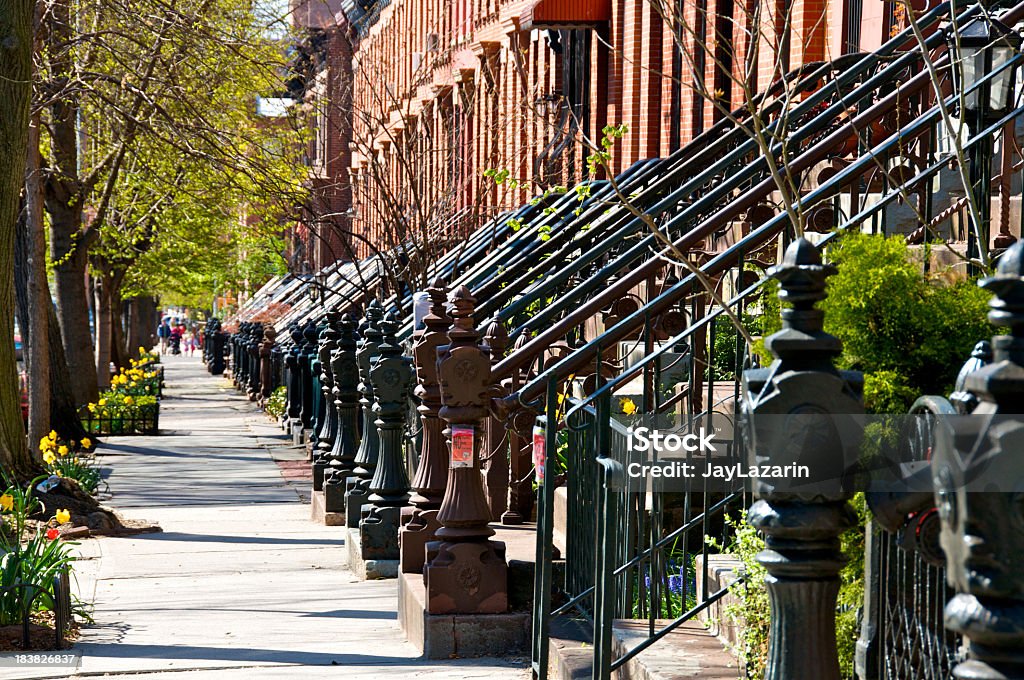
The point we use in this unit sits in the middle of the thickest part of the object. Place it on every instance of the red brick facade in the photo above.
(422, 96)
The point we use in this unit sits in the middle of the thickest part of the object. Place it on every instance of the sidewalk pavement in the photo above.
(240, 584)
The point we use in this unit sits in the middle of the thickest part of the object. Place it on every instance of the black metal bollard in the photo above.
(797, 408)
(978, 494)
(341, 459)
(329, 418)
(391, 376)
(357, 485)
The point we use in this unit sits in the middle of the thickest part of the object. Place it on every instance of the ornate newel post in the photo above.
(801, 410)
(235, 341)
(217, 360)
(391, 376)
(978, 495)
(357, 484)
(341, 458)
(329, 416)
(291, 364)
(520, 444)
(267, 364)
(318, 414)
(419, 522)
(465, 572)
(253, 357)
(496, 467)
(207, 336)
(241, 369)
(307, 353)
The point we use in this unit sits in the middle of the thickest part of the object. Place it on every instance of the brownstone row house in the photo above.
(411, 102)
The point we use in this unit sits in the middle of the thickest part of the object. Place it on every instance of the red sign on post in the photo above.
(462, 446)
(539, 458)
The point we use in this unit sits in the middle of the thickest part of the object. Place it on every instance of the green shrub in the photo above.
(751, 611)
(278, 402)
(909, 334)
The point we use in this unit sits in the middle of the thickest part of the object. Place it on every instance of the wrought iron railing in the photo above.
(141, 419)
(59, 596)
(864, 207)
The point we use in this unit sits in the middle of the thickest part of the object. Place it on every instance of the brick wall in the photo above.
(434, 93)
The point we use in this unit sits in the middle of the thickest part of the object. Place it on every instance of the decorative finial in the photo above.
(462, 305)
(802, 275)
(1007, 307)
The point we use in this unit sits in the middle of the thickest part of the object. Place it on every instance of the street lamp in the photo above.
(984, 46)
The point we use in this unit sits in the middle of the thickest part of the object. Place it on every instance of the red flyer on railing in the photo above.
(539, 459)
(462, 446)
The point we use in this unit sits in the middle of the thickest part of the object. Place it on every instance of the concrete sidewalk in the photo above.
(240, 583)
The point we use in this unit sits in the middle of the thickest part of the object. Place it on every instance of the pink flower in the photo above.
(52, 534)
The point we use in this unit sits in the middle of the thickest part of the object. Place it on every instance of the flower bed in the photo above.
(117, 413)
(36, 566)
(132, 404)
(71, 460)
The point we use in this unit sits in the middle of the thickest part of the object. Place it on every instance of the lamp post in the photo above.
(984, 46)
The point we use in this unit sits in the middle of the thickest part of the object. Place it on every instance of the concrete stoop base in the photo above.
(319, 514)
(367, 570)
(690, 651)
(443, 636)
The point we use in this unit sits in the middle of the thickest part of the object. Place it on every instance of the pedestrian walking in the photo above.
(163, 331)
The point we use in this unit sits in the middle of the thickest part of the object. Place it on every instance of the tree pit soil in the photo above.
(86, 511)
(41, 635)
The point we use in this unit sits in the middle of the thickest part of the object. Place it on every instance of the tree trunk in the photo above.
(63, 415)
(63, 405)
(69, 274)
(15, 98)
(35, 320)
(69, 244)
(104, 331)
(117, 351)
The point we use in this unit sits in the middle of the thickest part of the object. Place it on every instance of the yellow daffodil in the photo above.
(44, 444)
(63, 516)
(62, 450)
(49, 458)
(7, 502)
(628, 407)
(128, 400)
(86, 443)
(53, 435)
(102, 402)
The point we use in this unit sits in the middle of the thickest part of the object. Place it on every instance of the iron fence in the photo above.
(143, 419)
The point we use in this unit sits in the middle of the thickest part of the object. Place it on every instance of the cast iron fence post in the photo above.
(465, 572)
(520, 442)
(267, 364)
(496, 465)
(419, 522)
(307, 353)
(346, 403)
(391, 375)
(357, 484)
(329, 421)
(291, 364)
(252, 352)
(978, 494)
(796, 409)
